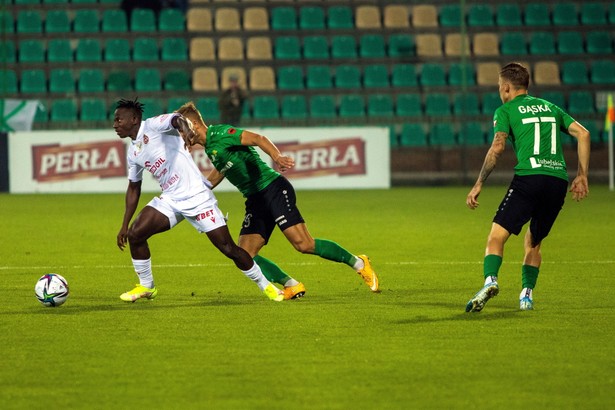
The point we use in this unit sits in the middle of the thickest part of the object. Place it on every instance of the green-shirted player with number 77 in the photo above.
(270, 200)
(538, 189)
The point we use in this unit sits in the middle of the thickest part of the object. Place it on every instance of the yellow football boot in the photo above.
(368, 274)
(139, 292)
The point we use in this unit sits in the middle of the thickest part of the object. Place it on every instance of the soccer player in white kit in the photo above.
(157, 145)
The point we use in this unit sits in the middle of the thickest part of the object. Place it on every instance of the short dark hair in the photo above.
(134, 105)
(516, 74)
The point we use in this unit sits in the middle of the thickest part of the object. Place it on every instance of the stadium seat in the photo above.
(347, 77)
(227, 19)
(117, 50)
(59, 51)
(480, 15)
(593, 14)
(513, 43)
(287, 48)
(403, 75)
(433, 74)
(437, 104)
(31, 51)
(581, 102)
(171, 19)
(315, 47)
(508, 15)
(465, 104)
(424, 16)
(396, 16)
(255, 19)
(143, 21)
(293, 107)
(265, 107)
(311, 18)
(340, 17)
(428, 45)
(409, 105)
(86, 21)
(486, 45)
(442, 134)
(93, 109)
(490, 102)
(176, 80)
(114, 21)
(32, 81)
(148, 79)
(565, 14)
(351, 106)
(413, 135)
(88, 50)
(174, 49)
(91, 81)
(322, 107)
(174, 103)
(401, 45)
(611, 13)
(7, 51)
(259, 48)
(61, 81)
(546, 73)
(555, 97)
(63, 110)
(262, 79)
(537, 15)
(290, 78)
(450, 15)
(199, 19)
(471, 133)
(372, 46)
(599, 42)
(202, 49)
(376, 76)
(8, 81)
(574, 72)
(456, 45)
(205, 79)
(379, 105)
(367, 17)
(27, 2)
(487, 73)
(152, 107)
(602, 72)
(145, 49)
(208, 106)
(57, 21)
(119, 81)
(7, 24)
(318, 76)
(343, 46)
(542, 43)
(570, 42)
(29, 22)
(283, 18)
(42, 112)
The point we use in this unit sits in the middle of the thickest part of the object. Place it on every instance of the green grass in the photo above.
(211, 340)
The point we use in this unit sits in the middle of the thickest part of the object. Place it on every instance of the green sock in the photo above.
(271, 271)
(529, 276)
(491, 265)
(332, 251)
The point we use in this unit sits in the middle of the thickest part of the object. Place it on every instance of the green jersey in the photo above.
(240, 164)
(533, 126)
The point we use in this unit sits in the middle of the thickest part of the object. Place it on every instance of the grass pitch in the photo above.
(211, 340)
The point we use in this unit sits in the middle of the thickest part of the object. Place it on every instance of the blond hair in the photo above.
(189, 110)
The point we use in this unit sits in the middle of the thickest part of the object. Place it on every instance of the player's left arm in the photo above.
(184, 126)
(491, 159)
(580, 185)
(284, 162)
(214, 178)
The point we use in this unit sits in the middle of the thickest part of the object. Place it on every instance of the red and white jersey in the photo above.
(160, 149)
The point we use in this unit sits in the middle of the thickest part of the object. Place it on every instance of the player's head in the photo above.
(127, 119)
(190, 111)
(514, 79)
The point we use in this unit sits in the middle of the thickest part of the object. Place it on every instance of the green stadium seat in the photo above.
(393, 137)
(372, 46)
(574, 72)
(57, 21)
(148, 79)
(290, 78)
(265, 107)
(283, 18)
(413, 135)
(460, 74)
(352, 106)
(61, 81)
(86, 21)
(343, 46)
(403, 75)
(26, 2)
(570, 43)
(152, 107)
(508, 15)
(602, 72)
(490, 102)
(287, 48)
(555, 97)
(347, 77)
(513, 43)
(471, 133)
(437, 104)
(145, 49)
(171, 19)
(33, 81)
(294, 107)
(93, 109)
(322, 107)
(208, 106)
(31, 51)
(83, 1)
(7, 25)
(64, 2)
(599, 42)
(8, 81)
(59, 51)
(114, 21)
(450, 15)
(581, 102)
(29, 22)
(340, 17)
(311, 18)
(442, 134)
(117, 50)
(64, 109)
(611, 13)
(401, 45)
(537, 15)
(88, 50)
(480, 15)
(593, 14)
(380, 105)
(409, 105)
(143, 21)
(565, 14)
(318, 76)
(376, 76)
(177, 80)
(91, 81)
(174, 49)
(465, 104)
(542, 43)
(315, 47)
(7, 51)
(119, 81)
(433, 74)
(42, 112)
(175, 102)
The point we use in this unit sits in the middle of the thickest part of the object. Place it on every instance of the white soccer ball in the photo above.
(51, 290)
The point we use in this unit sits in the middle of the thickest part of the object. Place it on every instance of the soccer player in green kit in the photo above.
(538, 189)
(270, 200)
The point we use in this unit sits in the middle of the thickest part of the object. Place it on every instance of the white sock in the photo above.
(490, 279)
(359, 264)
(526, 292)
(257, 276)
(143, 268)
(291, 282)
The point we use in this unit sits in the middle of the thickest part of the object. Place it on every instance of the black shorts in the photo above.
(274, 205)
(535, 198)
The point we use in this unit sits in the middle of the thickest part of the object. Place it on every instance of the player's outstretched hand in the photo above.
(285, 162)
(579, 188)
(472, 198)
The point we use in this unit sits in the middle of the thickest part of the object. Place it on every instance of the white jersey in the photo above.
(160, 149)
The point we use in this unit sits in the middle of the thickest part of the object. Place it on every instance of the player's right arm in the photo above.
(497, 148)
(580, 185)
(284, 162)
(133, 193)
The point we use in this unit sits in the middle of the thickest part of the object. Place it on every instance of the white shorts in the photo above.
(201, 211)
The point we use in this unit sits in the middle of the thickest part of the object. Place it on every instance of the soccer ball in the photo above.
(51, 290)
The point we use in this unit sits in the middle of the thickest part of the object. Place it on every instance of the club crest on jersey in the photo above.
(213, 155)
(232, 130)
